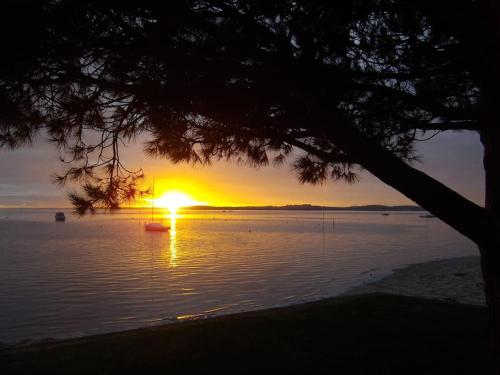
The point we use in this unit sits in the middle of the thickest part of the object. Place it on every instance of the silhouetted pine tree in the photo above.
(352, 84)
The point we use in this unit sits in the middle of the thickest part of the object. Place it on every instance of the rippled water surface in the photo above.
(105, 273)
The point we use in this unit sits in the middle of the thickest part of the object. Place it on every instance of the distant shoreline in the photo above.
(309, 207)
(293, 207)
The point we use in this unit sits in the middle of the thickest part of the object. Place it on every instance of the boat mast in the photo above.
(153, 200)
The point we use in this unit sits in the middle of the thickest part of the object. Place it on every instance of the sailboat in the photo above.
(154, 227)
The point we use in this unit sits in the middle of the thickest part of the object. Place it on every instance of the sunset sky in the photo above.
(453, 158)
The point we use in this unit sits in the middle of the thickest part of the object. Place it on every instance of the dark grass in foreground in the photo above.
(376, 334)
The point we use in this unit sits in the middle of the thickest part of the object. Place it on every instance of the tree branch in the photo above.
(463, 215)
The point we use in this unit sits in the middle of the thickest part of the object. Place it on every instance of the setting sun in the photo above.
(173, 200)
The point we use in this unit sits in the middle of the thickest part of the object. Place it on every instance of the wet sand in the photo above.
(457, 280)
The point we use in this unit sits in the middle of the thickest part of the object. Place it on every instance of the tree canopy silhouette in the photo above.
(351, 84)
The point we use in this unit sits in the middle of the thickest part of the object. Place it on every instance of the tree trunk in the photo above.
(490, 250)
(490, 137)
(461, 214)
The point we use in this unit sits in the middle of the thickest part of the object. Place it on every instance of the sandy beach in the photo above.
(457, 280)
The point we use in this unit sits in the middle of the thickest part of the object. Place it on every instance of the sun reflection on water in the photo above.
(173, 239)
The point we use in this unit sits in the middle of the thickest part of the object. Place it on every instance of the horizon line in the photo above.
(207, 206)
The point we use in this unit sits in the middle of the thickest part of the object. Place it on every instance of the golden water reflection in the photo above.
(173, 239)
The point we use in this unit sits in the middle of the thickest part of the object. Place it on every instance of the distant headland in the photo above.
(310, 207)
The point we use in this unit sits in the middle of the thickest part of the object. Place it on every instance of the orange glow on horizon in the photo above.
(215, 191)
(200, 191)
(173, 200)
(174, 193)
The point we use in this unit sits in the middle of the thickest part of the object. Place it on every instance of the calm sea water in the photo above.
(105, 273)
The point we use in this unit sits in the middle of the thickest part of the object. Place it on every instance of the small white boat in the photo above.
(156, 227)
(59, 216)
